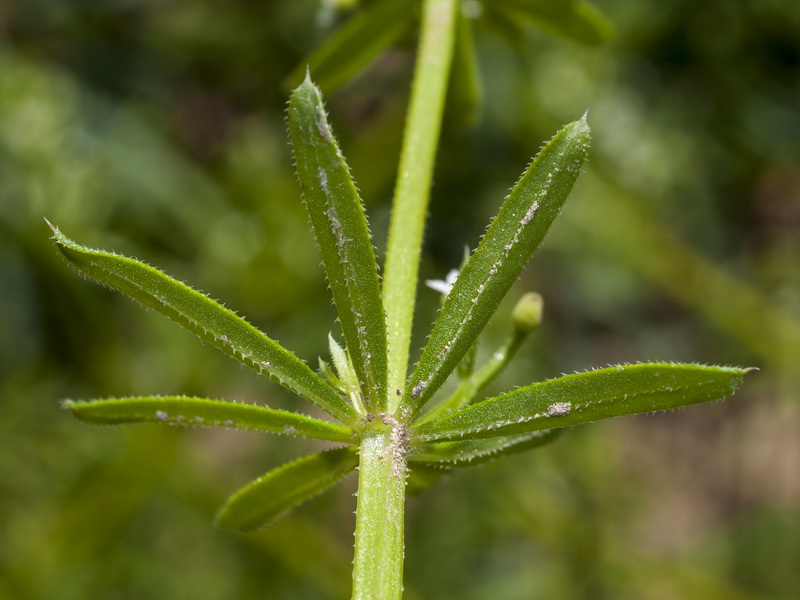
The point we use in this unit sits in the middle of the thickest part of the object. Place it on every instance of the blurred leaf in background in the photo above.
(157, 129)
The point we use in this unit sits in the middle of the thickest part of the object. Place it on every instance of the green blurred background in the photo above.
(156, 128)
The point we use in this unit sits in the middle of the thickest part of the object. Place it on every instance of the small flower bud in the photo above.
(527, 314)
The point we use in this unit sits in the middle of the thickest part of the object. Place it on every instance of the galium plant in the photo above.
(392, 426)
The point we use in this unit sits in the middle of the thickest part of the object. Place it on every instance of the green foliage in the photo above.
(585, 397)
(514, 234)
(206, 318)
(413, 185)
(525, 317)
(572, 19)
(396, 425)
(513, 420)
(355, 45)
(340, 226)
(282, 489)
(345, 379)
(465, 89)
(203, 412)
(469, 453)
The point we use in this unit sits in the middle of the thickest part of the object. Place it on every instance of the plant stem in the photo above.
(378, 561)
(412, 189)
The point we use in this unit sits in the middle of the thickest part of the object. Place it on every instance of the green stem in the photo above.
(378, 561)
(412, 189)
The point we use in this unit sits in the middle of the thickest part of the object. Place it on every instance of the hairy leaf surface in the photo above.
(515, 233)
(203, 412)
(467, 453)
(340, 226)
(432, 461)
(282, 489)
(585, 397)
(423, 475)
(206, 318)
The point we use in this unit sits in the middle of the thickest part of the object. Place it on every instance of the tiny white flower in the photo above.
(443, 287)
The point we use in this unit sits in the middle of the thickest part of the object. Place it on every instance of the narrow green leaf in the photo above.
(207, 319)
(355, 45)
(585, 397)
(347, 374)
(526, 317)
(465, 91)
(469, 453)
(432, 461)
(504, 23)
(280, 490)
(574, 20)
(514, 234)
(422, 475)
(340, 226)
(329, 376)
(203, 412)
(343, 365)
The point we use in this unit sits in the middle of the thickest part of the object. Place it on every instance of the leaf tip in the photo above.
(59, 238)
(583, 124)
(307, 85)
(74, 407)
(222, 520)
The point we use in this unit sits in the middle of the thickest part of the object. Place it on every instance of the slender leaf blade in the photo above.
(205, 318)
(355, 45)
(422, 475)
(468, 453)
(465, 90)
(345, 372)
(505, 24)
(340, 227)
(264, 500)
(574, 20)
(327, 373)
(204, 412)
(585, 397)
(515, 233)
(432, 461)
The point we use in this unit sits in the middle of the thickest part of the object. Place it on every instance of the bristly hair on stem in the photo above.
(396, 430)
